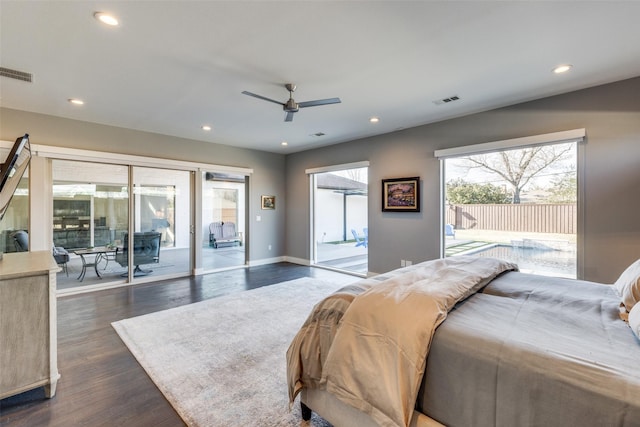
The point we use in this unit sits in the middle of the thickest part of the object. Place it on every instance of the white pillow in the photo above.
(634, 320)
(628, 285)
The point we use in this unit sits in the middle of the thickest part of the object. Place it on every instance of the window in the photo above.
(518, 203)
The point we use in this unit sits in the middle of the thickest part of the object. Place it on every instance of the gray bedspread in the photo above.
(534, 351)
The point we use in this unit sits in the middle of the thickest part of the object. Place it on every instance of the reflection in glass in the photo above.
(14, 194)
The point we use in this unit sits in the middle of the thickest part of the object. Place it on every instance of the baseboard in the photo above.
(300, 261)
(266, 261)
(91, 288)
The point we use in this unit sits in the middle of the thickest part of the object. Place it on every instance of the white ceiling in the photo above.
(172, 66)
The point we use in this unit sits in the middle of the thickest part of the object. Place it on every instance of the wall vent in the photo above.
(15, 74)
(446, 100)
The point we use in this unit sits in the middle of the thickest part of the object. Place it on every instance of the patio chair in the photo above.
(449, 230)
(61, 255)
(21, 241)
(146, 250)
(223, 233)
(360, 241)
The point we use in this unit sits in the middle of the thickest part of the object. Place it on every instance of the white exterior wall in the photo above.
(357, 215)
(180, 180)
(329, 215)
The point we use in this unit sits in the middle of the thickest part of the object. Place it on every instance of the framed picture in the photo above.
(268, 202)
(401, 195)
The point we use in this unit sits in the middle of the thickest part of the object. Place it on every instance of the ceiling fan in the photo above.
(291, 106)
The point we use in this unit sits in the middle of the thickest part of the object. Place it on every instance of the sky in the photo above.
(455, 168)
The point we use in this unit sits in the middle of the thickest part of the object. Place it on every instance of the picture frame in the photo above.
(401, 194)
(268, 202)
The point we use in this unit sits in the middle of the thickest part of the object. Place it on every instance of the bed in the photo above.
(513, 349)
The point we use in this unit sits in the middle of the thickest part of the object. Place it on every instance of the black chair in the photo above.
(146, 250)
(61, 255)
(21, 241)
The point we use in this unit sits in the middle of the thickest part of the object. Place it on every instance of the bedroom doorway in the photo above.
(518, 204)
(340, 219)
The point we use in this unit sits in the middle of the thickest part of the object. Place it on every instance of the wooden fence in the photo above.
(544, 218)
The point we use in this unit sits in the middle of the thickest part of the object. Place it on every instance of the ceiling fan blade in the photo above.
(319, 102)
(262, 97)
(289, 117)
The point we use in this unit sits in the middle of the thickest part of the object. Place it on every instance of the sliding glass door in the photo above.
(162, 222)
(112, 238)
(340, 219)
(90, 220)
(224, 214)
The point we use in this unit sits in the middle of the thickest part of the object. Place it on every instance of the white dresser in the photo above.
(28, 330)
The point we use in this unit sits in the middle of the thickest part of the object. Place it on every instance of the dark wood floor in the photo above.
(102, 384)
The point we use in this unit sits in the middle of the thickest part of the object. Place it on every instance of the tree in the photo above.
(357, 175)
(518, 167)
(563, 188)
(460, 192)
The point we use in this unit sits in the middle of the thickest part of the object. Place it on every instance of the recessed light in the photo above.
(107, 19)
(562, 68)
(374, 120)
(284, 143)
(76, 101)
(206, 127)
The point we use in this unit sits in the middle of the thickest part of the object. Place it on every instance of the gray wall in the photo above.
(268, 169)
(609, 113)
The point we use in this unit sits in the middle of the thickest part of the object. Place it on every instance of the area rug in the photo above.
(222, 362)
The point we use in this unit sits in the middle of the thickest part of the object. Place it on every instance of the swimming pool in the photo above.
(538, 261)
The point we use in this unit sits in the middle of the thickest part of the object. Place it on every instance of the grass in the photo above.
(339, 242)
(454, 249)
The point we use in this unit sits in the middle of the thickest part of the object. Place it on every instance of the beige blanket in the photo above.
(368, 344)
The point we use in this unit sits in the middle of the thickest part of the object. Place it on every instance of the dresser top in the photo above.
(17, 264)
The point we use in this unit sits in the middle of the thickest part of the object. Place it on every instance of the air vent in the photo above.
(446, 100)
(15, 74)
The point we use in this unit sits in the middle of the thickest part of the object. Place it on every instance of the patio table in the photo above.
(99, 253)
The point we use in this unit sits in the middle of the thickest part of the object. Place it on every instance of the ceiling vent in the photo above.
(15, 74)
(446, 100)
